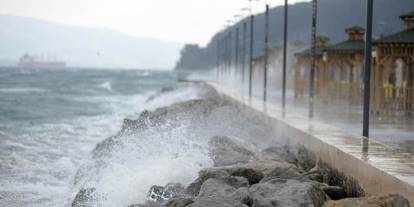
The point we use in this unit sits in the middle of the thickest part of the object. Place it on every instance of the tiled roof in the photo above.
(347, 46)
(405, 37)
(411, 14)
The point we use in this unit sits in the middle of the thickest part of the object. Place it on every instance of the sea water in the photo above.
(51, 120)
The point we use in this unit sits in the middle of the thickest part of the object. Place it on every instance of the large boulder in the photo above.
(306, 159)
(282, 192)
(223, 187)
(226, 151)
(283, 173)
(371, 201)
(216, 201)
(279, 153)
(203, 175)
(180, 202)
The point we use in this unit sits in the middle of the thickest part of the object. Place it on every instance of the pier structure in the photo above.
(339, 75)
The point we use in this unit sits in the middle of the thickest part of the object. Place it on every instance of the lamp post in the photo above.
(266, 49)
(285, 33)
(313, 59)
(367, 69)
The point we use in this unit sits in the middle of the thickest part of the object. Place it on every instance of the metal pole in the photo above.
(251, 55)
(266, 42)
(367, 67)
(313, 58)
(244, 55)
(230, 53)
(236, 54)
(218, 57)
(225, 56)
(285, 33)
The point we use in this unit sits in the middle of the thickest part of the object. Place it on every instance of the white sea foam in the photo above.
(106, 85)
(22, 90)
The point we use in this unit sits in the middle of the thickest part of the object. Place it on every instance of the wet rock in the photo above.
(283, 173)
(251, 174)
(371, 201)
(212, 187)
(203, 175)
(334, 192)
(160, 194)
(242, 195)
(279, 153)
(148, 204)
(282, 192)
(86, 197)
(236, 181)
(306, 158)
(315, 174)
(216, 201)
(179, 202)
(229, 151)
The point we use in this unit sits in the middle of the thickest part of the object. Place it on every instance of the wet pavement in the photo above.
(380, 168)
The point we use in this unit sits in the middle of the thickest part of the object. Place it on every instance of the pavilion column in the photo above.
(296, 78)
(325, 83)
(378, 86)
(411, 82)
(341, 78)
(351, 83)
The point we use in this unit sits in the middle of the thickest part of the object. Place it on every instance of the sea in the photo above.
(51, 120)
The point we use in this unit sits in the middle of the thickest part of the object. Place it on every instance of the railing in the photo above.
(393, 99)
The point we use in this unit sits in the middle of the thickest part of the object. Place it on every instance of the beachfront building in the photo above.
(342, 77)
(393, 75)
(302, 69)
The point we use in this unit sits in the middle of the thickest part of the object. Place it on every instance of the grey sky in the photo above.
(171, 20)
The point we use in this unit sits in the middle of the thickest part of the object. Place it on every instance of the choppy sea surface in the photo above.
(50, 121)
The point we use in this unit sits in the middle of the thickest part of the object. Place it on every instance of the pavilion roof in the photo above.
(348, 46)
(409, 15)
(403, 37)
(307, 52)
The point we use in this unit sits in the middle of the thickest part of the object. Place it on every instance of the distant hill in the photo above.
(333, 17)
(83, 47)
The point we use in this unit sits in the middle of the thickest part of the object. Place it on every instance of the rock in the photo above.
(283, 173)
(371, 201)
(160, 194)
(236, 181)
(86, 197)
(251, 174)
(334, 192)
(279, 153)
(179, 202)
(148, 204)
(242, 195)
(315, 174)
(226, 151)
(306, 158)
(203, 175)
(266, 167)
(212, 187)
(216, 201)
(282, 192)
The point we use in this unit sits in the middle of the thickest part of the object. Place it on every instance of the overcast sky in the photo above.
(184, 21)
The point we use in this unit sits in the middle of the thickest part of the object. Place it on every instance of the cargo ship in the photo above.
(29, 61)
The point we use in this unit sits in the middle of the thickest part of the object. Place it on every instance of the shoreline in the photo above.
(245, 167)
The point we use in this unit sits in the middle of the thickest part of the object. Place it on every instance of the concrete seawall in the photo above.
(380, 171)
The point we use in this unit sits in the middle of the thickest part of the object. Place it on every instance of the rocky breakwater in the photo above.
(279, 176)
(249, 165)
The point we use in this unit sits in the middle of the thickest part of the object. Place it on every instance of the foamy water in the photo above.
(52, 120)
